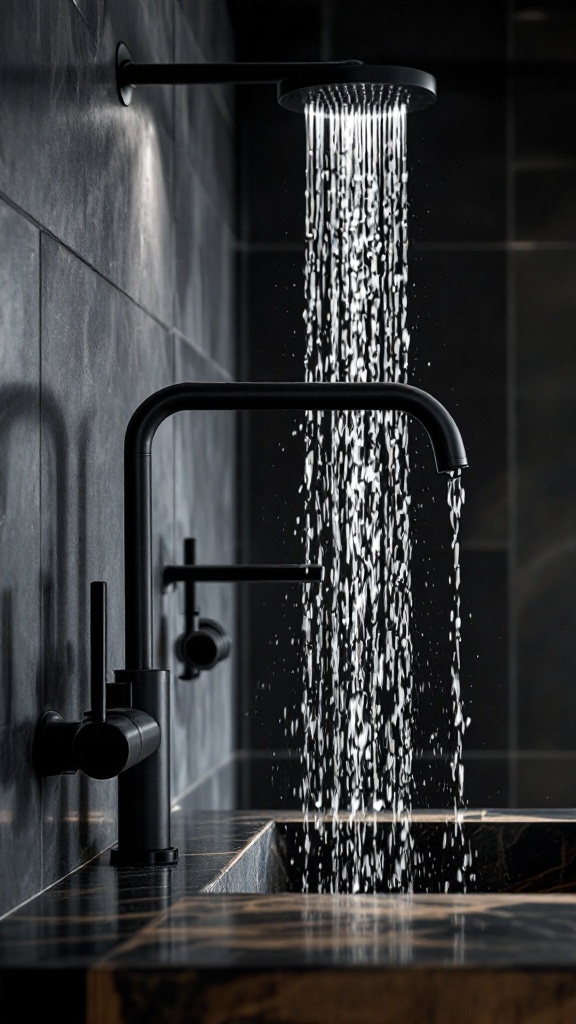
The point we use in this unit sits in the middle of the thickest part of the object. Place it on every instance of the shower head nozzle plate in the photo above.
(358, 86)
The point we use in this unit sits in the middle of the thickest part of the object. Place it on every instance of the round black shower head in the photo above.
(356, 85)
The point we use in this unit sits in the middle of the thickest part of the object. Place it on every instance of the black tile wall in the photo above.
(116, 279)
(20, 692)
(105, 172)
(548, 781)
(205, 458)
(424, 31)
(85, 404)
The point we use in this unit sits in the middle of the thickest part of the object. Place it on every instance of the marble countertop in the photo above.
(112, 939)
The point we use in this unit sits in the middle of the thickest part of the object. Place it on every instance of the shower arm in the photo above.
(130, 73)
(144, 790)
(295, 81)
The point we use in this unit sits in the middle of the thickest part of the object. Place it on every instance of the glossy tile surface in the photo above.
(85, 411)
(89, 301)
(20, 866)
(204, 449)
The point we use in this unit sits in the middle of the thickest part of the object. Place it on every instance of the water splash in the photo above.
(356, 483)
(358, 665)
(456, 496)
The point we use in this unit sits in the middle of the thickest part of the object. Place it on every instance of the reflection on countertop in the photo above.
(119, 934)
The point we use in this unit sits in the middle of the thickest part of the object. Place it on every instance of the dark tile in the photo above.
(273, 699)
(457, 336)
(211, 25)
(103, 185)
(288, 31)
(94, 14)
(458, 354)
(420, 33)
(546, 623)
(544, 32)
(20, 864)
(546, 564)
(485, 783)
(273, 324)
(101, 356)
(205, 136)
(205, 455)
(272, 471)
(546, 487)
(546, 782)
(544, 108)
(269, 782)
(546, 205)
(456, 160)
(483, 648)
(217, 789)
(272, 160)
(545, 300)
(204, 282)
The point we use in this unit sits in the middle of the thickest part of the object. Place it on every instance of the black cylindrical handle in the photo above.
(206, 646)
(103, 750)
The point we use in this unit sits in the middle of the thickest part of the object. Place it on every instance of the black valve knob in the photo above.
(107, 741)
(103, 750)
(205, 646)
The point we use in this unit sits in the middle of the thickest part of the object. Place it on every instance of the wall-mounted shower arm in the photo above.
(132, 73)
(295, 81)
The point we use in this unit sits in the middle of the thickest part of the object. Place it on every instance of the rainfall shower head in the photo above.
(358, 86)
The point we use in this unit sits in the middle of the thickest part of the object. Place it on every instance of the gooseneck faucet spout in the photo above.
(144, 790)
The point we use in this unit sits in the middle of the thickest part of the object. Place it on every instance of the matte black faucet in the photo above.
(132, 715)
(144, 790)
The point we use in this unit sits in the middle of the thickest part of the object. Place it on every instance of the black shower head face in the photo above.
(359, 87)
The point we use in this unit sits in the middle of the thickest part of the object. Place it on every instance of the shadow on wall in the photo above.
(22, 403)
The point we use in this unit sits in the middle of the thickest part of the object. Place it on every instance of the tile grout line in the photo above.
(44, 231)
(42, 783)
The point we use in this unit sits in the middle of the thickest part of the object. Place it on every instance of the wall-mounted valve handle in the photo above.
(204, 643)
(107, 741)
(205, 646)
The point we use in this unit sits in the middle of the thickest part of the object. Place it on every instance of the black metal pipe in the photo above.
(132, 73)
(241, 574)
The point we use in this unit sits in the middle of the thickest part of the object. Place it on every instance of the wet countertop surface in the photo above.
(120, 936)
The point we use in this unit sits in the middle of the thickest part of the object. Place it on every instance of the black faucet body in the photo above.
(144, 790)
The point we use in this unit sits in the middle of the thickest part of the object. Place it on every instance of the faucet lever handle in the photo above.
(98, 652)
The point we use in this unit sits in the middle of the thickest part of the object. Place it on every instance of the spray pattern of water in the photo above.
(358, 682)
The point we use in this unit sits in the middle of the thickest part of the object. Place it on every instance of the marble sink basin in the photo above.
(507, 856)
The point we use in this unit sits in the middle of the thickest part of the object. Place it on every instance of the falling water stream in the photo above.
(358, 665)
